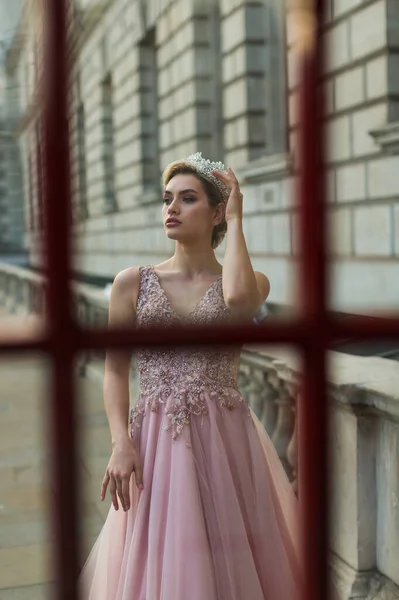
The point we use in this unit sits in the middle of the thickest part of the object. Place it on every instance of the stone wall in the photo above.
(11, 197)
(155, 81)
(360, 86)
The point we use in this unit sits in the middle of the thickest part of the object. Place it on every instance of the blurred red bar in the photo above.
(313, 405)
(314, 331)
(297, 332)
(57, 255)
(366, 327)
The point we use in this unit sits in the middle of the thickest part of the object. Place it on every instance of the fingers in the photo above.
(104, 486)
(122, 486)
(112, 491)
(232, 175)
(125, 493)
(229, 178)
(118, 480)
(138, 471)
(119, 484)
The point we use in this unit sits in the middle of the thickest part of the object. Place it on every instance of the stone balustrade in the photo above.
(363, 396)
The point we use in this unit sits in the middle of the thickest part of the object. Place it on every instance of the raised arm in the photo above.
(244, 289)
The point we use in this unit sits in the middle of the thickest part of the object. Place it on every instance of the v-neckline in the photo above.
(195, 307)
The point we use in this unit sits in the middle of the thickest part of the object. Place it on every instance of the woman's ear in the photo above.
(219, 214)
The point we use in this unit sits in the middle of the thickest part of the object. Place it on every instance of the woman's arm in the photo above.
(122, 314)
(244, 289)
(124, 459)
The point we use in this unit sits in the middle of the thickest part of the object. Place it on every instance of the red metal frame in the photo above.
(313, 331)
(312, 442)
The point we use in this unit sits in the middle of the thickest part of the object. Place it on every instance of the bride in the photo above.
(201, 506)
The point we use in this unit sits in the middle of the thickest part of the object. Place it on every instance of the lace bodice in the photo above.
(179, 377)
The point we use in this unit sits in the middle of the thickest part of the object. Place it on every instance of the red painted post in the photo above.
(313, 407)
(57, 255)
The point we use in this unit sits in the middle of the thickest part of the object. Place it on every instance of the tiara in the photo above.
(205, 167)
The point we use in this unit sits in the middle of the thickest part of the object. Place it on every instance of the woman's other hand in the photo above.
(123, 462)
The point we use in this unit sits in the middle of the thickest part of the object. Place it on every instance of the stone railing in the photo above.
(271, 390)
(363, 395)
(22, 292)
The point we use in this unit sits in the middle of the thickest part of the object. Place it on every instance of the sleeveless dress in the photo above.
(217, 518)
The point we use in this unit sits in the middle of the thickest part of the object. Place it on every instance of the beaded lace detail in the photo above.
(181, 379)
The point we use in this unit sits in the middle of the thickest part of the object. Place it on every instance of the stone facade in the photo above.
(11, 198)
(360, 84)
(156, 80)
(3, 187)
(21, 68)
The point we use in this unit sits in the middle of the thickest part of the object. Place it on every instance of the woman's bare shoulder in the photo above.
(127, 284)
(127, 277)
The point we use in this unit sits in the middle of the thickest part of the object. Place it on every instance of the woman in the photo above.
(209, 513)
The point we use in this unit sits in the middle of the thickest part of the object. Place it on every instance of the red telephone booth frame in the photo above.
(312, 331)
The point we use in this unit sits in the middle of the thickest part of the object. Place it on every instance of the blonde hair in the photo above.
(212, 191)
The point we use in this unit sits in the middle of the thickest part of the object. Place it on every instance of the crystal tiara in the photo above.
(205, 167)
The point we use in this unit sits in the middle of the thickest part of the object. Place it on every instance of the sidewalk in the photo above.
(26, 540)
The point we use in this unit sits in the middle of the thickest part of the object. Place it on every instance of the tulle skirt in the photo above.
(217, 518)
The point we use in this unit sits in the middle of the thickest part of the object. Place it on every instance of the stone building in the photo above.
(155, 80)
(17, 208)
(3, 150)
(11, 198)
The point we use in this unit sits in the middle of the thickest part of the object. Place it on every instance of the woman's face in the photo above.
(186, 213)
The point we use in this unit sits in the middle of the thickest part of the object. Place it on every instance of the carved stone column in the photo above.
(82, 313)
(3, 289)
(285, 419)
(25, 296)
(292, 450)
(254, 390)
(268, 397)
(244, 381)
(12, 283)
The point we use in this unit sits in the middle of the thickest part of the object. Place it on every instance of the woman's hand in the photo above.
(234, 202)
(124, 460)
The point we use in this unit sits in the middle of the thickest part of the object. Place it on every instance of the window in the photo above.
(81, 158)
(254, 77)
(276, 77)
(30, 190)
(39, 173)
(108, 152)
(148, 92)
(215, 106)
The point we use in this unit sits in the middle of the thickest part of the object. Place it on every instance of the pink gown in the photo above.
(217, 518)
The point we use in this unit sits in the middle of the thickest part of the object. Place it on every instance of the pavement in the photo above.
(26, 538)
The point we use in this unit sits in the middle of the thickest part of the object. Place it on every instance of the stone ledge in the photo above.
(387, 138)
(365, 585)
(360, 382)
(21, 272)
(266, 167)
